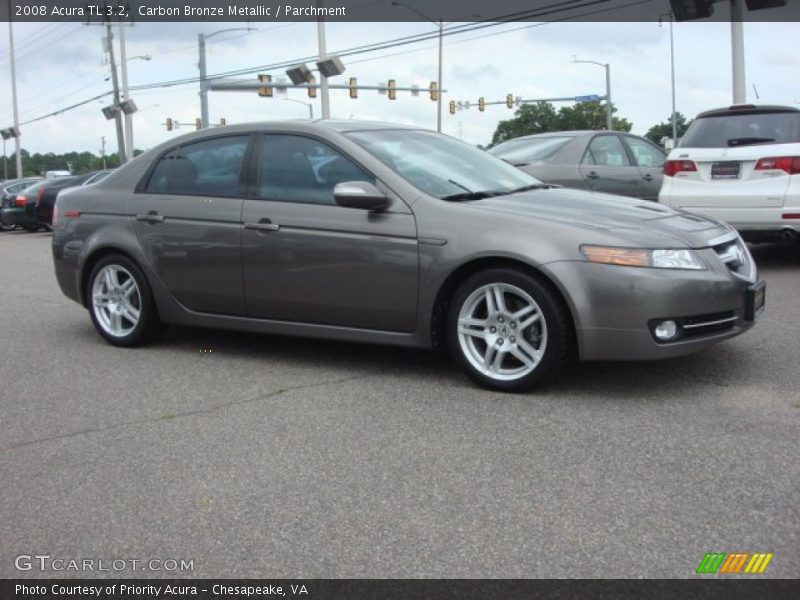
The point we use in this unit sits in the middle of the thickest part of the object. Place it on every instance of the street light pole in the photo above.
(308, 104)
(737, 52)
(609, 109)
(17, 151)
(128, 118)
(439, 81)
(201, 64)
(325, 99)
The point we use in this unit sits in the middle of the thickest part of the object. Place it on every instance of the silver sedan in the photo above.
(601, 161)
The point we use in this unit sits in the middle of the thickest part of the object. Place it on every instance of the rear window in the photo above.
(522, 151)
(743, 129)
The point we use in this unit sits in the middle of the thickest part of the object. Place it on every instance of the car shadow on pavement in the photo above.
(776, 254)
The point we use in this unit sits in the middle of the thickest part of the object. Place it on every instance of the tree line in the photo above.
(542, 117)
(75, 162)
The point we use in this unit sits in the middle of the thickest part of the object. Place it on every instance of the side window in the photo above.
(606, 150)
(207, 168)
(299, 169)
(159, 178)
(645, 154)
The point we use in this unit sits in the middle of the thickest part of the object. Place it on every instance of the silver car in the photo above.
(611, 162)
(386, 234)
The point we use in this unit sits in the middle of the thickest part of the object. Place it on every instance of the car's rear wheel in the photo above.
(120, 302)
(508, 330)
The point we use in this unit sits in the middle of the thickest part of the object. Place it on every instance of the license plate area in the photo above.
(725, 170)
(755, 300)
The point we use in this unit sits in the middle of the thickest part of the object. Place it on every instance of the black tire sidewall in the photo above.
(558, 334)
(148, 319)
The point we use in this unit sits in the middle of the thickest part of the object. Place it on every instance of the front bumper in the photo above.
(615, 308)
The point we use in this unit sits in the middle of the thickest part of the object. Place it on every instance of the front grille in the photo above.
(735, 255)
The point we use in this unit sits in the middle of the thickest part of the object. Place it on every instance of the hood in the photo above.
(634, 221)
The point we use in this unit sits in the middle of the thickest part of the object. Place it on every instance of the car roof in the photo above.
(570, 133)
(739, 109)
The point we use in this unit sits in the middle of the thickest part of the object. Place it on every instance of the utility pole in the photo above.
(17, 151)
(125, 94)
(118, 115)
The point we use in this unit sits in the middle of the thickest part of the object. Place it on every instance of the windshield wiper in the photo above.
(470, 196)
(746, 141)
(533, 186)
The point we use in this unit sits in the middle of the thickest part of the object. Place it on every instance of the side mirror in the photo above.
(359, 194)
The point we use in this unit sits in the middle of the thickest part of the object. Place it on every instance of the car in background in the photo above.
(56, 174)
(600, 161)
(740, 164)
(8, 191)
(32, 207)
(399, 236)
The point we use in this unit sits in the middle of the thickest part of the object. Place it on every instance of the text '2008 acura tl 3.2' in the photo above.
(380, 233)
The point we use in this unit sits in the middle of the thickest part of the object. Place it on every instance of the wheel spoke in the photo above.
(489, 357)
(128, 287)
(499, 298)
(534, 354)
(521, 356)
(491, 306)
(526, 310)
(114, 322)
(130, 313)
(530, 321)
(110, 279)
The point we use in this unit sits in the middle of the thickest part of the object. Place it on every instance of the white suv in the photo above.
(741, 165)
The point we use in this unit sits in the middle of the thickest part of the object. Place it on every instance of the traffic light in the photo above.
(510, 100)
(391, 85)
(266, 91)
(353, 88)
(452, 107)
(688, 10)
(169, 123)
(312, 91)
(198, 124)
(434, 91)
(481, 104)
(222, 122)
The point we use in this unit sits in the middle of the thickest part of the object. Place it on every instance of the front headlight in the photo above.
(638, 257)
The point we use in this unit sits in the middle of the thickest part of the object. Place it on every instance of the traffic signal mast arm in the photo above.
(248, 85)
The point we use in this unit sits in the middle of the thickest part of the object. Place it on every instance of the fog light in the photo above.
(666, 330)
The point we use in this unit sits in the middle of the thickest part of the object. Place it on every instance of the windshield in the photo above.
(525, 151)
(443, 166)
(728, 130)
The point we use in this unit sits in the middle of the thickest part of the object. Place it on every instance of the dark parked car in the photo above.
(8, 191)
(600, 161)
(380, 233)
(32, 207)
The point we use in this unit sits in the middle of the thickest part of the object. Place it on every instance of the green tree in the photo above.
(656, 132)
(541, 117)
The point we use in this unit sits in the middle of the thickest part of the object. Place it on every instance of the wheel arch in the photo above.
(462, 272)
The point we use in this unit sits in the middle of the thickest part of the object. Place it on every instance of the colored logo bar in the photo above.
(734, 563)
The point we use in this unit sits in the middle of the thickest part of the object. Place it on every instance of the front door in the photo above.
(308, 260)
(606, 168)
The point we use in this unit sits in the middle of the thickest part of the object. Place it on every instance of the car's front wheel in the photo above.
(508, 330)
(120, 302)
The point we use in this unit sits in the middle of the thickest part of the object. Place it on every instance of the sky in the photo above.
(60, 64)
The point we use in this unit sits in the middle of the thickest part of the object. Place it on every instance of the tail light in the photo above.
(790, 164)
(671, 167)
(20, 201)
(39, 194)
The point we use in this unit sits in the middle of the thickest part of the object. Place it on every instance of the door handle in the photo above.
(592, 175)
(263, 225)
(151, 217)
(648, 177)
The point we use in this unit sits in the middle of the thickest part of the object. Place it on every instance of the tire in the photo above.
(514, 347)
(121, 304)
(4, 227)
(31, 228)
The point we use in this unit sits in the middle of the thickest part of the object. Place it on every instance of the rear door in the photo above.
(606, 167)
(308, 260)
(649, 159)
(188, 218)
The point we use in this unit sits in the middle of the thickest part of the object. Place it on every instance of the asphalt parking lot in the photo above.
(258, 456)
